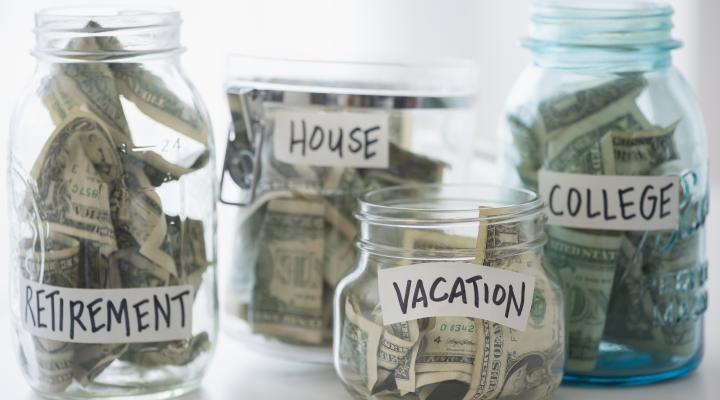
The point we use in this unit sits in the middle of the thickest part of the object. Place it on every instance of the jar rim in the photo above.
(165, 15)
(593, 9)
(456, 77)
(401, 205)
(106, 33)
(632, 27)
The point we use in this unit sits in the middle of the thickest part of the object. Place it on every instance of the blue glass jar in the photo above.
(607, 130)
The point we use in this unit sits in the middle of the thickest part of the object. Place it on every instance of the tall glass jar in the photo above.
(415, 319)
(307, 137)
(610, 134)
(112, 189)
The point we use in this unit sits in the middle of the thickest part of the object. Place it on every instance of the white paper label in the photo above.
(107, 315)
(452, 289)
(628, 203)
(331, 139)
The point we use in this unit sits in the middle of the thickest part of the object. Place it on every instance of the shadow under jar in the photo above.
(437, 307)
(608, 132)
(307, 138)
(112, 210)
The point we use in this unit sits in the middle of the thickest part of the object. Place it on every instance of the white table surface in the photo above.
(238, 374)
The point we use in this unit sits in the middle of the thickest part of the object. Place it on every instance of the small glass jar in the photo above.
(431, 234)
(608, 132)
(112, 210)
(307, 137)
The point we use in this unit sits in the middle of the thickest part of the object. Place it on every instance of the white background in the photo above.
(485, 30)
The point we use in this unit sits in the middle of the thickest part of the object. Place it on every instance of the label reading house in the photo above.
(630, 203)
(453, 289)
(332, 139)
(106, 315)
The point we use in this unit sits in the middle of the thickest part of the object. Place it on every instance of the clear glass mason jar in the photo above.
(603, 98)
(307, 138)
(112, 210)
(427, 231)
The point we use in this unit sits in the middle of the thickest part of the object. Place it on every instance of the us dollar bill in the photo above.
(557, 113)
(504, 355)
(639, 152)
(359, 345)
(155, 99)
(58, 266)
(287, 298)
(77, 173)
(586, 264)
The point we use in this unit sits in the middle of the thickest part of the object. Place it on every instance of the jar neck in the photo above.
(106, 34)
(601, 35)
(450, 222)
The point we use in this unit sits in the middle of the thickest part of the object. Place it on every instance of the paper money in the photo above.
(637, 153)
(73, 187)
(558, 113)
(58, 266)
(287, 298)
(586, 263)
(155, 99)
(509, 362)
(359, 347)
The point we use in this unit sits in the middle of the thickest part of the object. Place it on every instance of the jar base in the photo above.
(136, 394)
(312, 354)
(633, 369)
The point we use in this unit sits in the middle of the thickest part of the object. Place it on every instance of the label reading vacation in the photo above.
(332, 139)
(450, 289)
(629, 203)
(107, 315)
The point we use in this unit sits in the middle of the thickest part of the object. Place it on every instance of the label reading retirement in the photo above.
(629, 203)
(107, 315)
(451, 289)
(331, 139)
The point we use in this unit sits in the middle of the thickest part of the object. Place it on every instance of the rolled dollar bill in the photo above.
(53, 260)
(287, 300)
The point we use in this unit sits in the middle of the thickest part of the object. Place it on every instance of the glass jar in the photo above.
(112, 210)
(610, 134)
(307, 137)
(402, 324)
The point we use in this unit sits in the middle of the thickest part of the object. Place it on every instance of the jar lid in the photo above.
(445, 78)
(607, 23)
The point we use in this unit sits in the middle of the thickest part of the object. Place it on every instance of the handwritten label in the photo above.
(332, 139)
(628, 203)
(439, 289)
(107, 315)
